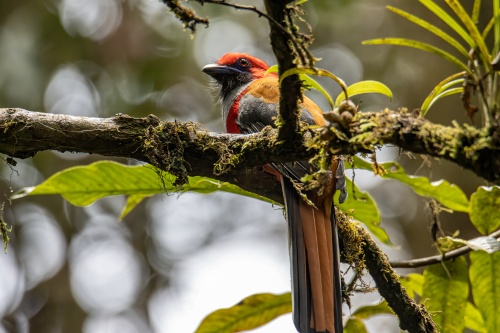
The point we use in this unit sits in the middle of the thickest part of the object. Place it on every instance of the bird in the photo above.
(249, 98)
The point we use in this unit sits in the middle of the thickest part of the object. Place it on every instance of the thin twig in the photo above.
(437, 258)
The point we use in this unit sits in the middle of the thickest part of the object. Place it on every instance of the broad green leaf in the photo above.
(445, 293)
(355, 326)
(473, 319)
(446, 18)
(449, 92)
(447, 194)
(472, 28)
(364, 87)
(421, 46)
(484, 209)
(413, 283)
(365, 312)
(431, 28)
(361, 206)
(443, 85)
(485, 281)
(252, 312)
(82, 185)
(314, 71)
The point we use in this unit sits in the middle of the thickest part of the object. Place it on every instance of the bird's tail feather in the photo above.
(316, 295)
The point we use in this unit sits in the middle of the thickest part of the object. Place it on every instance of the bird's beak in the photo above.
(220, 71)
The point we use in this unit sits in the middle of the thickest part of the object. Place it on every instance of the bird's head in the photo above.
(233, 70)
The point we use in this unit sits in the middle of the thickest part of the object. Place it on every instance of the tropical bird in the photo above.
(250, 97)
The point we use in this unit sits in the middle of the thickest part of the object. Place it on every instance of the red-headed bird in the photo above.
(250, 99)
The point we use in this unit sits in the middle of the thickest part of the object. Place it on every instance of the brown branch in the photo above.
(186, 15)
(412, 316)
(437, 258)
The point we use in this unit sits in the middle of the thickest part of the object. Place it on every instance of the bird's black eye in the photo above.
(243, 63)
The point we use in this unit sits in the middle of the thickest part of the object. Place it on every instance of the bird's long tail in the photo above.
(314, 257)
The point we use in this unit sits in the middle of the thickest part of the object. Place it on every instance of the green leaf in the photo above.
(413, 283)
(431, 28)
(82, 185)
(475, 10)
(447, 194)
(488, 27)
(314, 71)
(445, 93)
(365, 312)
(355, 326)
(473, 31)
(443, 85)
(252, 312)
(485, 282)
(446, 18)
(361, 206)
(445, 293)
(421, 46)
(364, 87)
(309, 81)
(484, 211)
(132, 201)
(473, 319)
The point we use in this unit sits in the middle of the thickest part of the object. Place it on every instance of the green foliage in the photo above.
(485, 282)
(449, 195)
(82, 185)
(355, 323)
(476, 63)
(250, 313)
(484, 209)
(446, 289)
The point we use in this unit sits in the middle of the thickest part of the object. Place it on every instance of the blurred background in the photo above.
(177, 258)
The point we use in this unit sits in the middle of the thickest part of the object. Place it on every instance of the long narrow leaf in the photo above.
(476, 10)
(446, 18)
(364, 87)
(314, 71)
(488, 28)
(437, 90)
(496, 17)
(445, 93)
(472, 28)
(421, 46)
(431, 28)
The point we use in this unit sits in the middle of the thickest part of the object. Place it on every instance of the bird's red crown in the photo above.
(245, 62)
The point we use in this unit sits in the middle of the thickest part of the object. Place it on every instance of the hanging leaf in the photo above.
(431, 28)
(484, 209)
(449, 195)
(473, 319)
(421, 46)
(367, 311)
(361, 206)
(252, 312)
(414, 283)
(82, 185)
(364, 87)
(445, 293)
(355, 326)
(485, 281)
